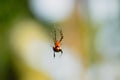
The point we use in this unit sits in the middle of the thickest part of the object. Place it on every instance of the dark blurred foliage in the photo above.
(9, 10)
(12, 8)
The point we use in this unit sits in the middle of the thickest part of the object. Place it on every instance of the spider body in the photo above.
(56, 47)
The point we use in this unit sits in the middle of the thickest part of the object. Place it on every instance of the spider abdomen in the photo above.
(57, 49)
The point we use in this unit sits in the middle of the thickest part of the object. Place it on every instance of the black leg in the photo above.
(54, 54)
(61, 51)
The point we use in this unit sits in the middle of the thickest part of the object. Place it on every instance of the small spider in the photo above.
(57, 43)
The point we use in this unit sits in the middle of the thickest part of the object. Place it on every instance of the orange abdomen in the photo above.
(57, 43)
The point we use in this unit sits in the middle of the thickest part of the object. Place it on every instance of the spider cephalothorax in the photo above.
(57, 43)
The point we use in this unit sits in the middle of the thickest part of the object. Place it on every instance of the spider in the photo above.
(57, 43)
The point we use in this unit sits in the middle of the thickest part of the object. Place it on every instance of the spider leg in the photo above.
(54, 35)
(61, 35)
(54, 55)
(61, 51)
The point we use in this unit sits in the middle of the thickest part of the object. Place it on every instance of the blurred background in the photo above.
(91, 44)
